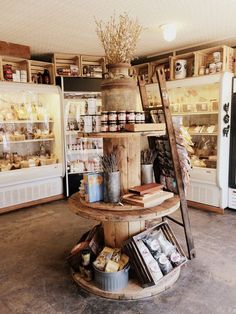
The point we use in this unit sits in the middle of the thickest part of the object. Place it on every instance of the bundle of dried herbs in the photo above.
(110, 162)
(148, 156)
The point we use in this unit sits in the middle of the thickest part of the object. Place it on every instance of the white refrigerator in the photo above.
(31, 144)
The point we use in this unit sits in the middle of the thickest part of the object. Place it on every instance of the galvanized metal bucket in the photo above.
(111, 187)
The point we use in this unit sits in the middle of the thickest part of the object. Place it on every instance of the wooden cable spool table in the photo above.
(120, 223)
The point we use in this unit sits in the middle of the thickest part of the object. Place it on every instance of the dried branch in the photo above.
(119, 39)
(148, 156)
(110, 162)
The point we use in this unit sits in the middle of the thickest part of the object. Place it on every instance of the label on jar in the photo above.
(122, 116)
(104, 116)
(104, 127)
(121, 126)
(113, 127)
(131, 117)
(112, 116)
(138, 117)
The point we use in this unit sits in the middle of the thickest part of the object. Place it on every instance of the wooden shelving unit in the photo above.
(35, 67)
(195, 60)
(92, 66)
(122, 222)
(16, 63)
(65, 61)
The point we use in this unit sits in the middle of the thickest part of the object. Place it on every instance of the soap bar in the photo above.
(111, 267)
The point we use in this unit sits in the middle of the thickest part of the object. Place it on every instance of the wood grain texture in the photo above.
(206, 207)
(166, 208)
(133, 291)
(32, 203)
(14, 50)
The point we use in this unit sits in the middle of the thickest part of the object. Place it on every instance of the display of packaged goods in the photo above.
(93, 184)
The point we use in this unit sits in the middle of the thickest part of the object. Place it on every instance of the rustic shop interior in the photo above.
(117, 156)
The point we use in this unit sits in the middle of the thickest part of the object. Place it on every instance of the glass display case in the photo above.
(204, 105)
(31, 141)
(82, 114)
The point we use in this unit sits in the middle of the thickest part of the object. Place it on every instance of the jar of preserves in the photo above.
(104, 126)
(121, 115)
(112, 127)
(131, 117)
(104, 116)
(112, 116)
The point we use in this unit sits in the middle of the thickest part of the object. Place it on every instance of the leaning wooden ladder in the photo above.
(174, 154)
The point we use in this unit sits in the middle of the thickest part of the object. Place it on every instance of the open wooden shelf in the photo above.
(35, 67)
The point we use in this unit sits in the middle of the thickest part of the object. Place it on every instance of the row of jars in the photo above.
(114, 121)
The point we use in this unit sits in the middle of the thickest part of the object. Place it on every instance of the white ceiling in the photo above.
(68, 25)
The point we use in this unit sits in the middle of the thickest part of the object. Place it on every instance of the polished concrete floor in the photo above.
(35, 278)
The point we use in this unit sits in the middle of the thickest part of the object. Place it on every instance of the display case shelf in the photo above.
(85, 151)
(28, 141)
(26, 121)
(194, 113)
(203, 134)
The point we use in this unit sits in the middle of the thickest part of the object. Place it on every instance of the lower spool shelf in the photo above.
(133, 291)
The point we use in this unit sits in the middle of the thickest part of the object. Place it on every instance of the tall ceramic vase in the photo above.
(119, 90)
(111, 187)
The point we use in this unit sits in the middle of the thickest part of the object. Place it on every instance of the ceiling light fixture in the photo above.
(168, 31)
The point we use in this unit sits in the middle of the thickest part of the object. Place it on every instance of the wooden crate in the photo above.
(35, 67)
(145, 127)
(141, 269)
(205, 57)
(92, 66)
(64, 61)
(190, 57)
(16, 63)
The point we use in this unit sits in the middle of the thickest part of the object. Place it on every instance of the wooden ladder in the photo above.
(174, 153)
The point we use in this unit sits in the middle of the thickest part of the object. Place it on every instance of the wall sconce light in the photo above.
(168, 31)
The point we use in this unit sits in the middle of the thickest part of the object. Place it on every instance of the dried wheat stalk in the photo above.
(119, 39)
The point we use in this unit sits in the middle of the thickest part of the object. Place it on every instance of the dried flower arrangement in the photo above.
(110, 162)
(119, 39)
(148, 156)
